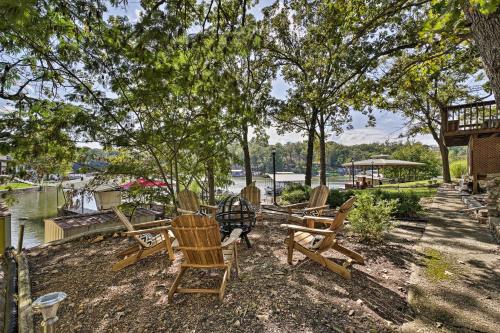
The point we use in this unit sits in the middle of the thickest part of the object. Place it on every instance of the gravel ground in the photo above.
(270, 295)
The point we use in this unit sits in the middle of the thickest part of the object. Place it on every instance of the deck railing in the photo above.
(472, 117)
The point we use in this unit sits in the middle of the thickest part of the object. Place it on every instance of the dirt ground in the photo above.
(270, 295)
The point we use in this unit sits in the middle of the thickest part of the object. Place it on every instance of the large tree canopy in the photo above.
(329, 53)
(172, 90)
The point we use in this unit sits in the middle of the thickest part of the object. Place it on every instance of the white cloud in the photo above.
(351, 137)
(138, 13)
(377, 135)
(6, 108)
(274, 137)
(362, 135)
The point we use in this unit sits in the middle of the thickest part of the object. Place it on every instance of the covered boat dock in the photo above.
(376, 164)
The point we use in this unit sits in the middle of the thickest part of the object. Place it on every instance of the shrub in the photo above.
(371, 218)
(295, 193)
(458, 168)
(337, 197)
(408, 202)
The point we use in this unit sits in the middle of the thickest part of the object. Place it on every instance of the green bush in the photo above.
(371, 217)
(458, 168)
(337, 197)
(295, 193)
(408, 202)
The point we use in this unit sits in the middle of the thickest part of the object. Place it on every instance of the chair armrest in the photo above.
(209, 207)
(184, 211)
(320, 219)
(315, 208)
(233, 237)
(156, 230)
(156, 223)
(296, 205)
(294, 227)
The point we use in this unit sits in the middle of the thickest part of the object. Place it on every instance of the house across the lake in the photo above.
(5, 163)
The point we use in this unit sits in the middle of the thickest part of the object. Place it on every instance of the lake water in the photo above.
(31, 207)
(262, 183)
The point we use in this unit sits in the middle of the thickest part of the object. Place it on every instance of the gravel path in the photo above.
(456, 287)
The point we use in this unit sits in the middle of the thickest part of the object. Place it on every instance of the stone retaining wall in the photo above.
(493, 203)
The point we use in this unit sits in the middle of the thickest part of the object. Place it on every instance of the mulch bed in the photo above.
(270, 295)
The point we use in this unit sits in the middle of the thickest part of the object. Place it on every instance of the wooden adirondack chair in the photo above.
(313, 242)
(151, 237)
(251, 193)
(189, 203)
(315, 205)
(200, 243)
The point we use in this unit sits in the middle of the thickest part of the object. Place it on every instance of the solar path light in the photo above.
(48, 305)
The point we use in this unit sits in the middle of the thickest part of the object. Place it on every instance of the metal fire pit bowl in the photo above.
(235, 212)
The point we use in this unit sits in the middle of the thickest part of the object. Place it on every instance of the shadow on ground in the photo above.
(271, 296)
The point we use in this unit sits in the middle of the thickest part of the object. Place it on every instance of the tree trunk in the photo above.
(485, 31)
(211, 183)
(442, 146)
(176, 170)
(246, 155)
(322, 152)
(446, 163)
(310, 146)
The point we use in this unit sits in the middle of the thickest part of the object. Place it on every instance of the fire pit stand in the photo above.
(235, 212)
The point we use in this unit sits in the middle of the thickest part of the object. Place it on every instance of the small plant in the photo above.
(295, 193)
(371, 218)
(458, 168)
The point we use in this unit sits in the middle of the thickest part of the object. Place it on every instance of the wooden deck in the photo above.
(460, 122)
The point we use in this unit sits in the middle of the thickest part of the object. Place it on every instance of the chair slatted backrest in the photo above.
(188, 200)
(338, 222)
(124, 220)
(318, 196)
(251, 193)
(199, 239)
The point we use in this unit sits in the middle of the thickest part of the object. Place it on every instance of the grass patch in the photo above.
(412, 184)
(437, 267)
(14, 186)
(422, 192)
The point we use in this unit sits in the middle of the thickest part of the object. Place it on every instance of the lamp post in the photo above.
(352, 168)
(372, 175)
(274, 175)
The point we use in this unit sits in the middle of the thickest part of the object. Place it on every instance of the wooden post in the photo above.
(444, 119)
(20, 239)
(83, 199)
(474, 183)
(4, 228)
